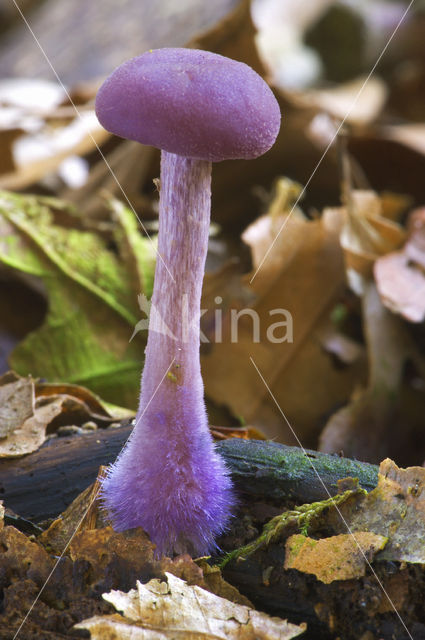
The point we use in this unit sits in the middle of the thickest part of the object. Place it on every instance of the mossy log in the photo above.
(42, 484)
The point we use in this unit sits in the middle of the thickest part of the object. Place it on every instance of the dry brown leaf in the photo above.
(75, 139)
(366, 234)
(366, 427)
(358, 102)
(165, 610)
(28, 408)
(16, 402)
(104, 547)
(401, 285)
(400, 276)
(340, 557)
(85, 405)
(265, 236)
(31, 433)
(395, 509)
(246, 433)
(304, 275)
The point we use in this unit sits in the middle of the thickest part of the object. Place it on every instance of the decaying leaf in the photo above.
(215, 583)
(396, 510)
(28, 408)
(165, 610)
(400, 275)
(83, 513)
(22, 558)
(122, 558)
(341, 557)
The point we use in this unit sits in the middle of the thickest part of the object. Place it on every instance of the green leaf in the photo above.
(92, 295)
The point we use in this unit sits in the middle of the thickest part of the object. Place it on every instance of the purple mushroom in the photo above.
(197, 107)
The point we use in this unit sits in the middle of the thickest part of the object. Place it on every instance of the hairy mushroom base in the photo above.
(168, 479)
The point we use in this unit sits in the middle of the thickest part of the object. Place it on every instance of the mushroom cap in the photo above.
(192, 103)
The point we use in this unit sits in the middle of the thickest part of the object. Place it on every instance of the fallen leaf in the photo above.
(394, 509)
(16, 402)
(366, 426)
(401, 285)
(29, 407)
(299, 281)
(56, 598)
(22, 558)
(246, 433)
(83, 404)
(92, 302)
(162, 610)
(359, 101)
(122, 558)
(400, 276)
(340, 557)
(31, 433)
(82, 514)
(365, 234)
(52, 148)
(215, 583)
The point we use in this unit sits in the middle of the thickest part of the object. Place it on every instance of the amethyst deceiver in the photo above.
(197, 107)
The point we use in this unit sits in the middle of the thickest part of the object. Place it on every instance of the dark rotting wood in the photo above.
(41, 485)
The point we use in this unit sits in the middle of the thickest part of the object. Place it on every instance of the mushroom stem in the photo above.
(169, 479)
(184, 215)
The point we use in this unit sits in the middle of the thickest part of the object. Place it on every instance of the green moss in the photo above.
(301, 517)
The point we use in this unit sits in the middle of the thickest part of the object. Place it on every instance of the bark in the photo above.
(43, 484)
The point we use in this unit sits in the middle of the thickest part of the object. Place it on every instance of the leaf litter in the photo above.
(30, 408)
(170, 609)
